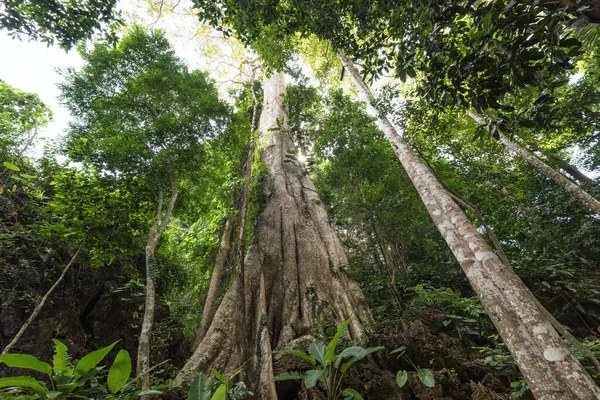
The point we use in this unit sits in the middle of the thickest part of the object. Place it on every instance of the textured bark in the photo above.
(550, 369)
(544, 168)
(158, 228)
(294, 271)
(40, 305)
(560, 328)
(216, 281)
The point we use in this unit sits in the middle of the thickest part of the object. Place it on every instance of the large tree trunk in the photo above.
(158, 228)
(295, 269)
(544, 168)
(550, 369)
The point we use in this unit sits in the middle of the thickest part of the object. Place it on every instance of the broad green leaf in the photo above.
(297, 353)
(24, 382)
(11, 166)
(356, 356)
(53, 395)
(317, 350)
(67, 387)
(401, 378)
(330, 354)
(311, 377)
(62, 365)
(119, 371)
(26, 361)
(400, 350)
(220, 393)
(200, 388)
(27, 176)
(351, 394)
(88, 362)
(426, 377)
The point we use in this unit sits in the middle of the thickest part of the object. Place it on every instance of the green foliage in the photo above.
(139, 110)
(221, 388)
(21, 115)
(66, 22)
(465, 314)
(330, 367)
(424, 374)
(79, 379)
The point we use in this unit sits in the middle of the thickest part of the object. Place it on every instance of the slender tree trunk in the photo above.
(294, 271)
(40, 305)
(158, 228)
(544, 168)
(210, 305)
(570, 169)
(547, 364)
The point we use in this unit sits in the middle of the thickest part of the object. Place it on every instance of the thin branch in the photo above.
(40, 305)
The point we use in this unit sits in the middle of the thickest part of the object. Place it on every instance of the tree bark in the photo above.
(544, 168)
(570, 169)
(158, 228)
(547, 364)
(294, 271)
(210, 305)
(40, 305)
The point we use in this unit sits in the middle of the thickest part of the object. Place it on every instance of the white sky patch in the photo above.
(576, 77)
(31, 67)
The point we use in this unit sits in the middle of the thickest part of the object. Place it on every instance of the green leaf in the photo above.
(62, 365)
(351, 394)
(200, 388)
(400, 350)
(218, 375)
(317, 350)
(401, 378)
(67, 387)
(297, 353)
(24, 382)
(487, 21)
(330, 354)
(220, 393)
(119, 371)
(91, 360)
(358, 356)
(27, 176)
(11, 166)
(26, 361)
(311, 377)
(426, 377)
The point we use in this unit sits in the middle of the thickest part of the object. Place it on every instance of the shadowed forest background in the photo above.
(246, 230)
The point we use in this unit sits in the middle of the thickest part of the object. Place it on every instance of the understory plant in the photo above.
(329, 368)
(220, 388)
(79, 379)
(425, 375)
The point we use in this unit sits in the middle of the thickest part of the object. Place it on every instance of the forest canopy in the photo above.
(381, 200)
